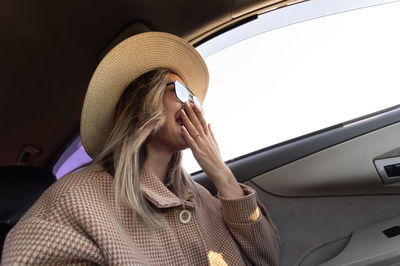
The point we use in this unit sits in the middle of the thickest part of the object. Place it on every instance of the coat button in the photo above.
(185, 216)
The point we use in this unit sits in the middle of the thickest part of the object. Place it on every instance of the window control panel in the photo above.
(392, 231)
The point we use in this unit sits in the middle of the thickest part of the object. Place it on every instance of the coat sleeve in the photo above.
(39, 242)
(252, 227)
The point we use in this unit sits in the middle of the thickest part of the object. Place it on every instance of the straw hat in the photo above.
(123, 64)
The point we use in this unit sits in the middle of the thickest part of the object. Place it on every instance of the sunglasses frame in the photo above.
(192, 97)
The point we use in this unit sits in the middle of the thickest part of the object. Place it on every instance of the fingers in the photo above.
(189, 140)
(211, 133)
(188, 125)
(200, 117)
(196, 117)
(213, 138)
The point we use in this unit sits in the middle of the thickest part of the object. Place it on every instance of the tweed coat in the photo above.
(78, 222)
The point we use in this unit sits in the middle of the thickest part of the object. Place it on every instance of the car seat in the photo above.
(20, 187)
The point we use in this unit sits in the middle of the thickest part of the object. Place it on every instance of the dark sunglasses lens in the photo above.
(181, 92)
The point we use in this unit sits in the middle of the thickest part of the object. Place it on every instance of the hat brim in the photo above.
(126, 62)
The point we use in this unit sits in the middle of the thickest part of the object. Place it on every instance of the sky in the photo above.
(301, 78)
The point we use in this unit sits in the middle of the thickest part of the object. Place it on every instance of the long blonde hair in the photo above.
(138, 115)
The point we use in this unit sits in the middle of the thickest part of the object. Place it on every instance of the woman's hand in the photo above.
(200, 139)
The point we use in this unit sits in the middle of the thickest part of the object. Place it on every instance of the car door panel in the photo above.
(307, 224)
(344, 169)
(359, 251)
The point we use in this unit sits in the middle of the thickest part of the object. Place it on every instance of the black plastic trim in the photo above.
(256, 163)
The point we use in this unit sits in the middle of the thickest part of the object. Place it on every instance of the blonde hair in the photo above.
(138, 115)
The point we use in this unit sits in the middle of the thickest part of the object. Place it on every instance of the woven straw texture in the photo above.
(78, 222)
(124, 63)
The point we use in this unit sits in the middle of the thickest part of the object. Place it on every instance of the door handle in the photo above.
(388, 169)
(392, 170)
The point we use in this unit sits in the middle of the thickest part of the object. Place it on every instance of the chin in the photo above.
(183, 147)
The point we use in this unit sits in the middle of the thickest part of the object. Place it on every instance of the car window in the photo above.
(301, 78)
(283, 75)
(73, 157)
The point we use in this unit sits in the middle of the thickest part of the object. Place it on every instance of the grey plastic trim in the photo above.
(254, 164)
(306, 224)
(325, 252)
(369, 246)
(344, 169)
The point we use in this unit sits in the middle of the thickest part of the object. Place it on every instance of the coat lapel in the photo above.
(156, 192)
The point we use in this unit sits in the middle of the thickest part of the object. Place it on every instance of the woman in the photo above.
(134, 204)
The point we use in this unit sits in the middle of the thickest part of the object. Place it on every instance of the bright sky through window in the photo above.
(301, 78)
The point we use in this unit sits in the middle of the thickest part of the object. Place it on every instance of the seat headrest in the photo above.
(20, 187)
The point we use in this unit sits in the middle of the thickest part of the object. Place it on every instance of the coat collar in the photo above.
(157, 193)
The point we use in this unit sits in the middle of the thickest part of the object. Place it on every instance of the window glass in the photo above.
(73, 157)
(297, 79)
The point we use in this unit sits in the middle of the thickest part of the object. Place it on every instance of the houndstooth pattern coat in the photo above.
(78, 222)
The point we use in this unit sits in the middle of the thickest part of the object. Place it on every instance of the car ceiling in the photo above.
(49, 50)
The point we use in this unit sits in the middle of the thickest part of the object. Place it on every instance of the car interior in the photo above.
(333, 193)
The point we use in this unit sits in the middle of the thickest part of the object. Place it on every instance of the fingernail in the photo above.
(183, 112)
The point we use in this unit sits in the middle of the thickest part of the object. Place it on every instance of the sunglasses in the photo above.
(184, 94)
